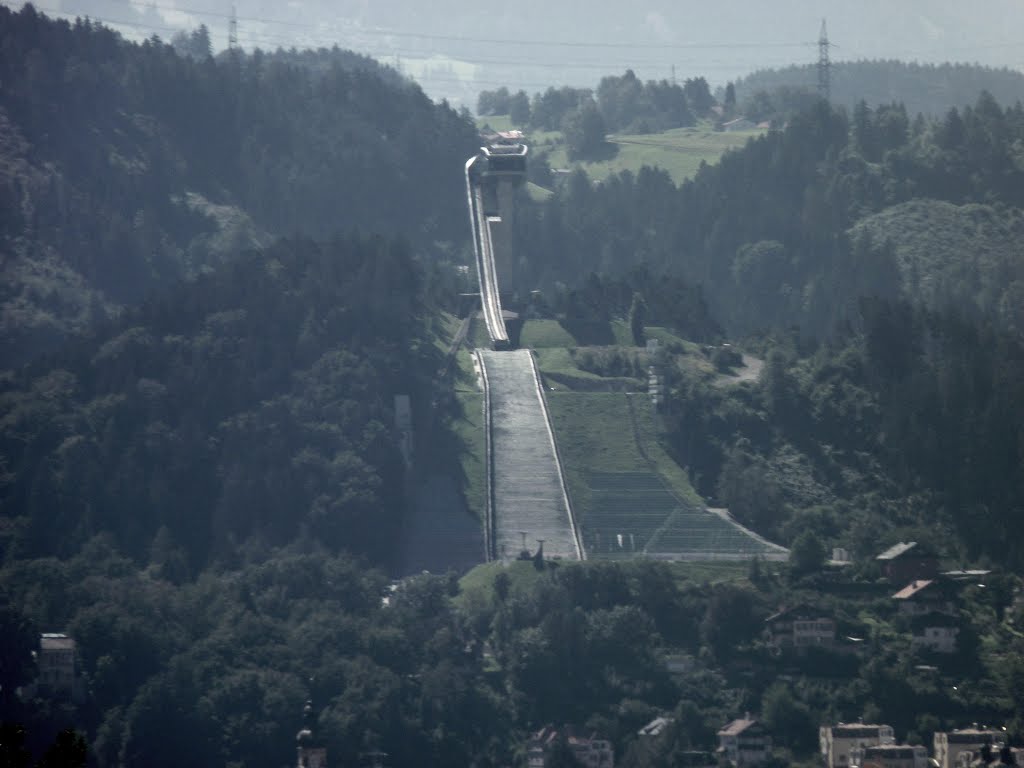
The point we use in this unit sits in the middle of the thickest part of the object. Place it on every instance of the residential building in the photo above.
(802, 626)
(922, 596)
(949, 745)
(935, 632)
(590, 751)
(890, 756)
(310, 751)
(907, 561)
(838, 741)
(840, 557)
(57, 665)
(744, 742)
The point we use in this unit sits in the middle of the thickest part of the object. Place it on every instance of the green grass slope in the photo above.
(630, 497)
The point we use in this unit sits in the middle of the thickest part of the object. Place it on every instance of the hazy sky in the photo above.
(535, 43)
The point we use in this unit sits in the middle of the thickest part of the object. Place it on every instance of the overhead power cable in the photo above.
(392, 51)
(469, 38)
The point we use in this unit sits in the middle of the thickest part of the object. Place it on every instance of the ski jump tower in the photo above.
(490, 176)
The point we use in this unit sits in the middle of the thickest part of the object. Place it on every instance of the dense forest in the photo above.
(779, 234)
(928, 89)
(620, 104)
(255, 402)
(126, 167)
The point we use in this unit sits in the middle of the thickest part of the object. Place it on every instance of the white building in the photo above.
(838, 741)
(949, 745)
(57, 664)
(890, 756)
(744, 742)
(935, 632)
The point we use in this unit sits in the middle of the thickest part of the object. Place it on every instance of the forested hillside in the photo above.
(124, 167)
(930, 89)
(770, 231)
(253, 403)
(878, 261)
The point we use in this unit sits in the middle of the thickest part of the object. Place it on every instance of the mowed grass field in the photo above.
(630, 497)
(679, 151)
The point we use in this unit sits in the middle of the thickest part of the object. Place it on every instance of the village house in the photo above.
(890, 756)
(589, 751)
(57, 664)
(744, 742)
(947, 746)
(801, 626)
(839, 740)
(935, 632)
(907, 561)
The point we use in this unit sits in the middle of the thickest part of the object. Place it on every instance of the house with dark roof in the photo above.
(799, 627)
(907, 561)
(744, 741)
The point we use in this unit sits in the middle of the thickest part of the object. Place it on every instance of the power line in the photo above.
(470, 39)
(271, 38)
(824, 65)
(233, 29)
(383, 31)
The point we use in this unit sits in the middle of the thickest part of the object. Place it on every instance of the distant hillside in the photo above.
(125, 166)
(922, 88)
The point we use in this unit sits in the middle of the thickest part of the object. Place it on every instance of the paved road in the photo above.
(528, 490)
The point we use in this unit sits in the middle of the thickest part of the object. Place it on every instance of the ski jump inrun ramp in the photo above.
(526, 491)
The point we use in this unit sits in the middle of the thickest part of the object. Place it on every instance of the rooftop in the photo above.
(853, 730)
(797, 611)
(913, 589)
(897, 550)
(737, 727)
(655, 727)
(56, 641)
(973, 735)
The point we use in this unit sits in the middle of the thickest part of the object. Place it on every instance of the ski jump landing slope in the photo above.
(527, 492)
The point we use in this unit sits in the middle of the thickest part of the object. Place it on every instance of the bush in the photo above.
(726, 358)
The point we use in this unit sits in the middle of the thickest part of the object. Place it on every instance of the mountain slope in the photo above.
(112, 155)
